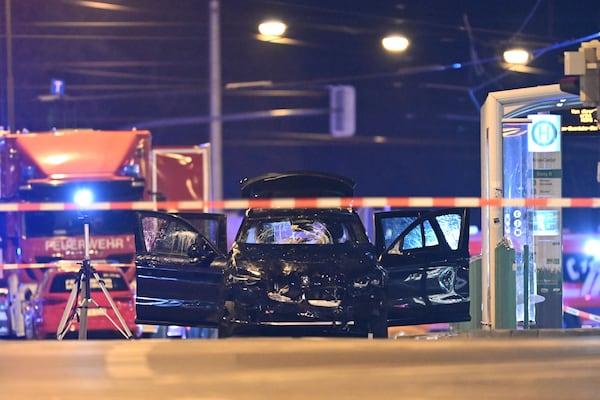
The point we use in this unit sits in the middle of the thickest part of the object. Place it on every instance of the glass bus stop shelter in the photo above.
(513, 123)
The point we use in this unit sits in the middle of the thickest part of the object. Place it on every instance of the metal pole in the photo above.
(491, 217)
(216, 140)
(86, 289)
(10, 86)
(526, 286)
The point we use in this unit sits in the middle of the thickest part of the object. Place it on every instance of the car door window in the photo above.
(422, 235)
(394, 225)
(212, 226)
(450, 224)
(164, 236)
(412, 240)
(431, 238)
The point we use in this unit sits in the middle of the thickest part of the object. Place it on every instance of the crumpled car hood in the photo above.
(276, 260)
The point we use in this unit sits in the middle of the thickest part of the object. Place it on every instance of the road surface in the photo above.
(425, 367)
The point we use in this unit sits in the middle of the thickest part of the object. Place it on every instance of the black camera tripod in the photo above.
(82, 288)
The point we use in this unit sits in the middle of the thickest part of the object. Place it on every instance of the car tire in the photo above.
(29, 333)
(226, 326)
(375, 327)
(225, 330)
(35, 334)
(378, 327)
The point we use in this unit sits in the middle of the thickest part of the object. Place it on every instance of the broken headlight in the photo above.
(248, 273)
(366, 281)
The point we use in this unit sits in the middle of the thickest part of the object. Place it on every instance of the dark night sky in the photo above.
(144, 61)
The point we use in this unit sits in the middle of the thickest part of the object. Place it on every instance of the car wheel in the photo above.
(378, 328)
(29, 334)
(34, 332)
(226, 327)
(375, 325)
(30, 331)
(225, 330)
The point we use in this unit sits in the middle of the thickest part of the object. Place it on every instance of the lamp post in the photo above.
(10, 86)
(216, 134)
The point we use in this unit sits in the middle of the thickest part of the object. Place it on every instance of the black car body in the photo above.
(303, 271)
(312, 270)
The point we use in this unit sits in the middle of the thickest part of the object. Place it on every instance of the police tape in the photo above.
(581, 314)
(315, 202)
(62, 264)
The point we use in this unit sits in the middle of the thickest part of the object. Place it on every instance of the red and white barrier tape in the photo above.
(581, 314)
(74, 264)
(317, 202)
(321, 202)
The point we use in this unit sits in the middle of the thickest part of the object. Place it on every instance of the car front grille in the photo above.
(325, 290)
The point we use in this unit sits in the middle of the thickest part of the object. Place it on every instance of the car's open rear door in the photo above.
(426, 256)
(179, 271)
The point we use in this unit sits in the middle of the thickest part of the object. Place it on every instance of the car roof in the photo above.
(275, 212)
(297, 184)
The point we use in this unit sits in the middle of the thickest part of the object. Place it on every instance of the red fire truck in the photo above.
(56, 167)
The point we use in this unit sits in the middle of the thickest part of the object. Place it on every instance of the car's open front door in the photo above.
(426, 256)
(179, 272)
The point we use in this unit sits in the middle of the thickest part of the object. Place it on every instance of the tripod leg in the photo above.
(86, 298)
(70, 311)
(105, 314)
(125, 329)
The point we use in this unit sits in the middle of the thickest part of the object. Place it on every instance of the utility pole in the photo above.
(10, 85)
(216, 134)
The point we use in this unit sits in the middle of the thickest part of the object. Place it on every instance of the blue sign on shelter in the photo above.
(57, 87)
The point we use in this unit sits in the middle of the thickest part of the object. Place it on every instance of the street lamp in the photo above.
(272, 28)
(517, 56)
(395, 43)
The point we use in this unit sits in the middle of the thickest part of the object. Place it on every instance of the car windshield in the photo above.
(71, 223)
(298, 230)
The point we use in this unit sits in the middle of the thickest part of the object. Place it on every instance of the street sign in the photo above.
(57, 87)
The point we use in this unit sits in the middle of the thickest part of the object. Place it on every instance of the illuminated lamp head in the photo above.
(83, 197)
(592, 248)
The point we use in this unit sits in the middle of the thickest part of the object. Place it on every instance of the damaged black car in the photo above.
(302, 271)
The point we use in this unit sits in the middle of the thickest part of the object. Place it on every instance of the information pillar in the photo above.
(545, 225)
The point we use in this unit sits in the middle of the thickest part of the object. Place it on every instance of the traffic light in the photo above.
(570, 84)
(342, 110)
(583, 70)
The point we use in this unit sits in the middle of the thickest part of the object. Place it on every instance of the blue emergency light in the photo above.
(83, 197)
